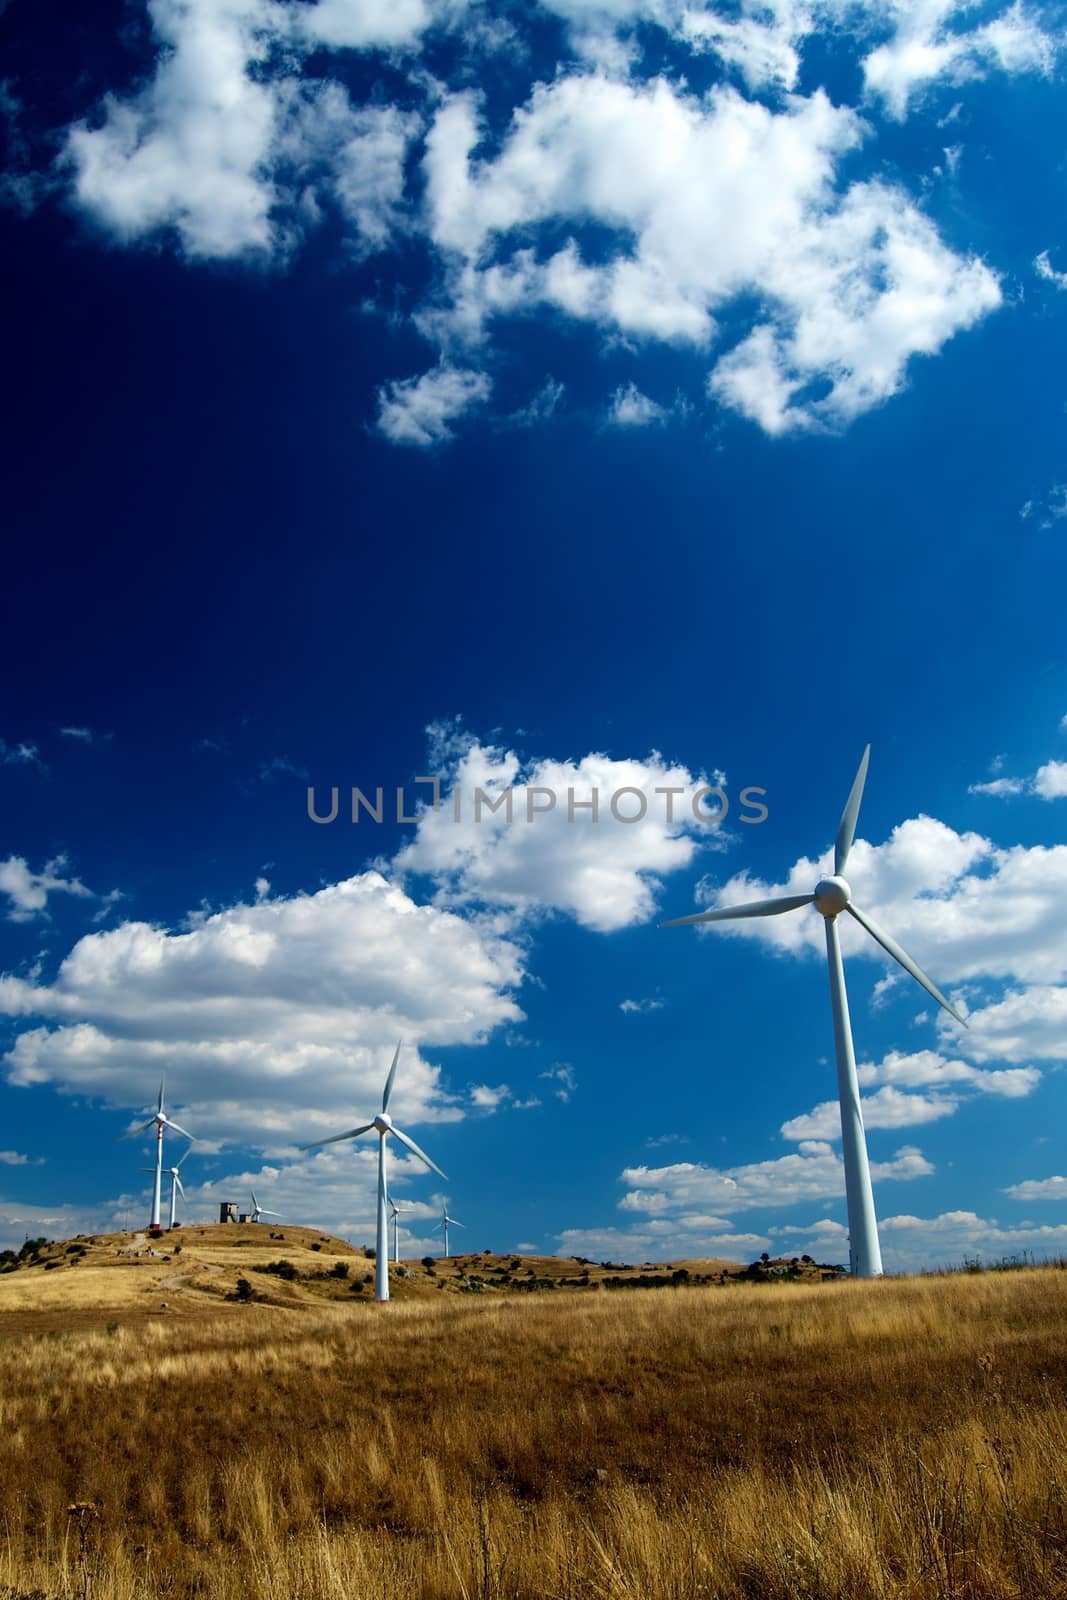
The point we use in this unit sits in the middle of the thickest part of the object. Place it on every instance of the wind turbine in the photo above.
(832, 896)
(175, 1184)
(383, 1125)
(261, 1211)
(396, 1211)
(444, 1222)
(159, 1120)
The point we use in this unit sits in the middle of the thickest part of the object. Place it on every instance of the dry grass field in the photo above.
(801, 1441)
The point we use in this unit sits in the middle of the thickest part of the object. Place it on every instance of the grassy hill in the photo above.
(90, 1281)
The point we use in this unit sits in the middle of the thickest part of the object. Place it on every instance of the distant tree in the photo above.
(339, 1269)
(244, 1290)
(370, 1252)
(765, 1258)
(429, 1263)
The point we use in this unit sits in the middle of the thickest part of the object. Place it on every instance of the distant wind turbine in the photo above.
(175, 1184)
(261, 1211)
(832, 896)
(444, 1223)
(159, 1120)
(396, 1213)
(383, 1125)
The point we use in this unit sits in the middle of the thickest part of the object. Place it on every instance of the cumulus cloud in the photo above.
(28, 891)
(813, 1172)
(853, 285)
(1049, 782)
(551, 851)
(1038, 1189)
(217, 147)
(277, 1017)
(243, 135)
(420, 411)
(895, 1104)
(928, 46)
(1024, 1024)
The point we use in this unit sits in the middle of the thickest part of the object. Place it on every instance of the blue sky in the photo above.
(574, 396)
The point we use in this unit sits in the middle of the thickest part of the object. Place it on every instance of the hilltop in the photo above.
(96, 1279)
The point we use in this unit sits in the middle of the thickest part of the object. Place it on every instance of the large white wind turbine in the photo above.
(832, 896)
(447, 1221)
(383, 1125)
(396, 1212)
(159, 1120)
(261, 1211)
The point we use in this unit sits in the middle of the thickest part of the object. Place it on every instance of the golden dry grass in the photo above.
(902, 1440)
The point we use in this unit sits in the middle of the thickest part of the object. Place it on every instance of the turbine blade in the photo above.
(389, 1079)
(133, 1132)
(755, 908)
(413, 1147)
(891, 947)
(255, 1202)
(454, 1222)
(846, 828)
(162, 1081)
(167, 1123)
(353, 1133)
(178, 1185)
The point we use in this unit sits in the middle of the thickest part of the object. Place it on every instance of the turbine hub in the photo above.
(383, 1122)
(832, 895)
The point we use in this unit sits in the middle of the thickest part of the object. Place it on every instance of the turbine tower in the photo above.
(444, 1223)
(159, 1120)
(832, 896)
(383, 1125)
(261, 1211)
(396, 1213)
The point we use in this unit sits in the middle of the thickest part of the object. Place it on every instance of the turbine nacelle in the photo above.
(832, 896)
(383, 1123)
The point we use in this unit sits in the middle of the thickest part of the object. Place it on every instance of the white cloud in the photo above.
(1044, 269)
(271, 1020)
(640, 1007)
(189, 150)
(27, 891)
(235, 157)
(1050, 781)
(999, 788)
(927, 48)
(486, 1098)
(1038, 1189)
(419, 411)
(83, 735)
(887, 1108)
(603, 872)
(632, 409)
(813, 1172)
(23, 754)
(910, 1243)
(374, 24)
(853, 285)
(13, 1158)
(561, 1073)
(1022, 1025)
